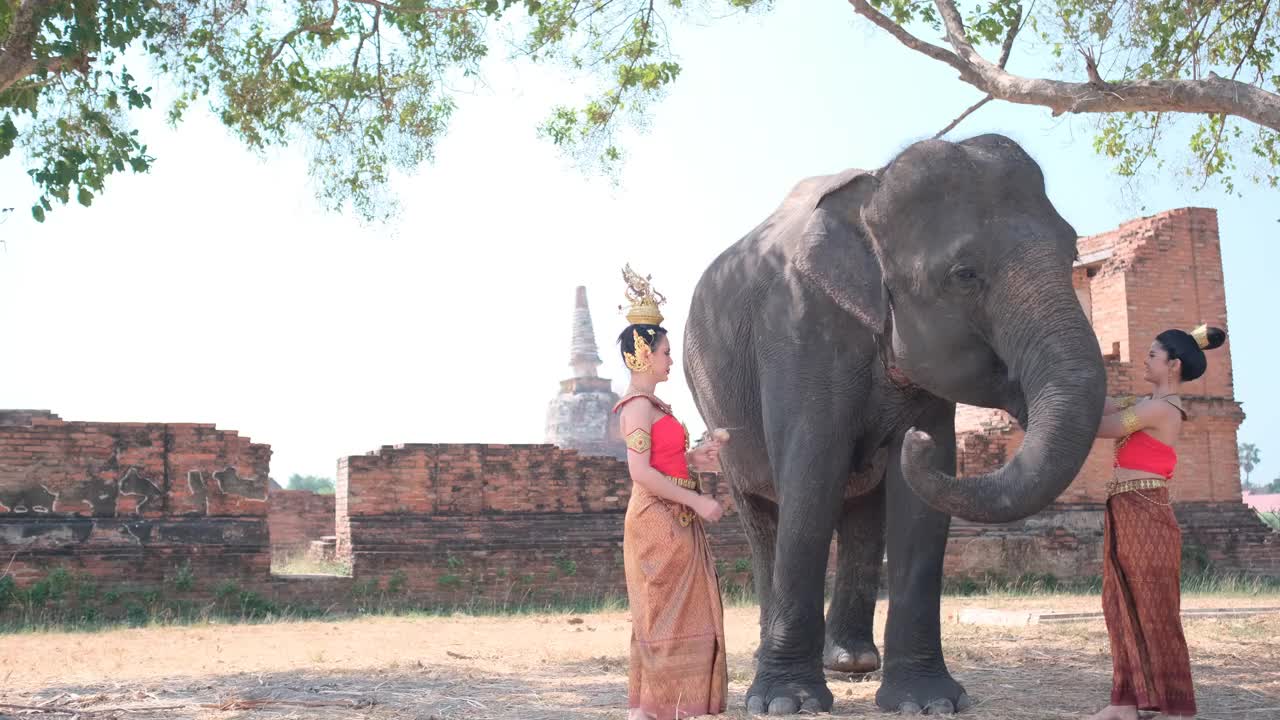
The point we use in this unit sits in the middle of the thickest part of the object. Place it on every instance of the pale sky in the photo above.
(215, 289)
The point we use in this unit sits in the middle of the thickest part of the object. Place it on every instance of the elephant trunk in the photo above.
(1049, 347)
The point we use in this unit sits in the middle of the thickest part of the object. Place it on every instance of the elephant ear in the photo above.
(835, 252)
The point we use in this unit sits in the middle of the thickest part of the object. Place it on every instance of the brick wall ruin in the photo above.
(130, 501)
(491, 522)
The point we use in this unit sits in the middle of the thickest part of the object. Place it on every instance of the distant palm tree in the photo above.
(1249, 459)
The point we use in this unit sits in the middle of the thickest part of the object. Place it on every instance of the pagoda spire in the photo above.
(583, 357)
(580, 417)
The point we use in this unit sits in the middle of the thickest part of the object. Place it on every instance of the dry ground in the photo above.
(566, 666)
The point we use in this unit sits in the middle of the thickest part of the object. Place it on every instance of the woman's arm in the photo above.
(1116, 404)
(1132, 419)
(637, 422)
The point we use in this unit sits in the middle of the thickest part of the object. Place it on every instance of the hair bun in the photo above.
(1215, 336)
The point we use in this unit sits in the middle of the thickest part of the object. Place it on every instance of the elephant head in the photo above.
(954, 256)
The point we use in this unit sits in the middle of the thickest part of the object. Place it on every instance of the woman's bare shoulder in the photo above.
(638, 415)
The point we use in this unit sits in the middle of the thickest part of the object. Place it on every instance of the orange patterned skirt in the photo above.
(1141, 600)
(678, 665)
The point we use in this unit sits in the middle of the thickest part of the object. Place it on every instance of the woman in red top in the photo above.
(678, 664)
(1142, 544)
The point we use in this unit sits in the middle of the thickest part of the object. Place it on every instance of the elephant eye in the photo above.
(964, 274)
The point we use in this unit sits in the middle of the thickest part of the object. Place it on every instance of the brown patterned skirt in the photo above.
(677, 620)
(1141, 600)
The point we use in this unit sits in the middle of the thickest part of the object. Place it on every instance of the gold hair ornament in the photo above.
(1201, 335)
(641, 361)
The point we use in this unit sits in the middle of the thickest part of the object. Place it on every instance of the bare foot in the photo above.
(1117, 712)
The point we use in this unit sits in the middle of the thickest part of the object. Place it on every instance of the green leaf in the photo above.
(8, 134)
(37, 212)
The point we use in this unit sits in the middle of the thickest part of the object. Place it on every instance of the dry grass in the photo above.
(566, 666)
(297, 563)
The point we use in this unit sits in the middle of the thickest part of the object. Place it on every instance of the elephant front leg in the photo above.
(850, 643)
(915, 674)
(789, 676)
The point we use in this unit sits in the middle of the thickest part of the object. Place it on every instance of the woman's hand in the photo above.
(708, 508)
(705, 457)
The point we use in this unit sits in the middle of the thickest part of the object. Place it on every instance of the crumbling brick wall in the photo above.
(131, 502)
(504, 523)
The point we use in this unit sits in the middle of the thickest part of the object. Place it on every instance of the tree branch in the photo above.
(1014, 28)
(16, 59)
(862, 7)
(1005, 49)
(289, 36)
(1253, 39)
(1210, 95)
(956, 35)
(394, 8)
(972, 108)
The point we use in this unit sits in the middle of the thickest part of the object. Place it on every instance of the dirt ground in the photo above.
(574, 666)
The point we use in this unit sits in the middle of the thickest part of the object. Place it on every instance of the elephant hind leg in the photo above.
(850, 644)
(760, 522)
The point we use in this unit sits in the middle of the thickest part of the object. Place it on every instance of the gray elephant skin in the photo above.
(837, 336)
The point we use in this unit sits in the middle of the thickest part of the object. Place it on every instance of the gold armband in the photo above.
(639, 440)
(1126, 401)
(1129, 420)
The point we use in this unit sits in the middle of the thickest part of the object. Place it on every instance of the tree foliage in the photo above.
(313, 483)
(1138, 64)
(366, 87)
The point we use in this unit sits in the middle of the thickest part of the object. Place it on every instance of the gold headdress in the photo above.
(643, 311)
(644, 299)
(1201, 335)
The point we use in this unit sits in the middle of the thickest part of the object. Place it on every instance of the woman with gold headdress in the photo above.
(677, 619)
(1142, 544)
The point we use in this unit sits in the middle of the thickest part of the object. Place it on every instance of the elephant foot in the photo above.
(922, 693)
(788, 694)
(855, 656)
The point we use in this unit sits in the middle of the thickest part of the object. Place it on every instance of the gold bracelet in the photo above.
(1129, 420)
(686, 483)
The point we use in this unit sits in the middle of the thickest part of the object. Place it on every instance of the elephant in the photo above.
(836, 338)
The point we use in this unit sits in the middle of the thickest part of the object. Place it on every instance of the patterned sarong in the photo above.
(677, 621)
(1142, 565)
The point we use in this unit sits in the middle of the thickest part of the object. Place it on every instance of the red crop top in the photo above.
(669, 440)
(1140, 451)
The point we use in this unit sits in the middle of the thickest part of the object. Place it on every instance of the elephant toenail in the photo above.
(963, 702)
(812, 705)
(755, 705)
(783, 706)
(909, 708)
(940, 707)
